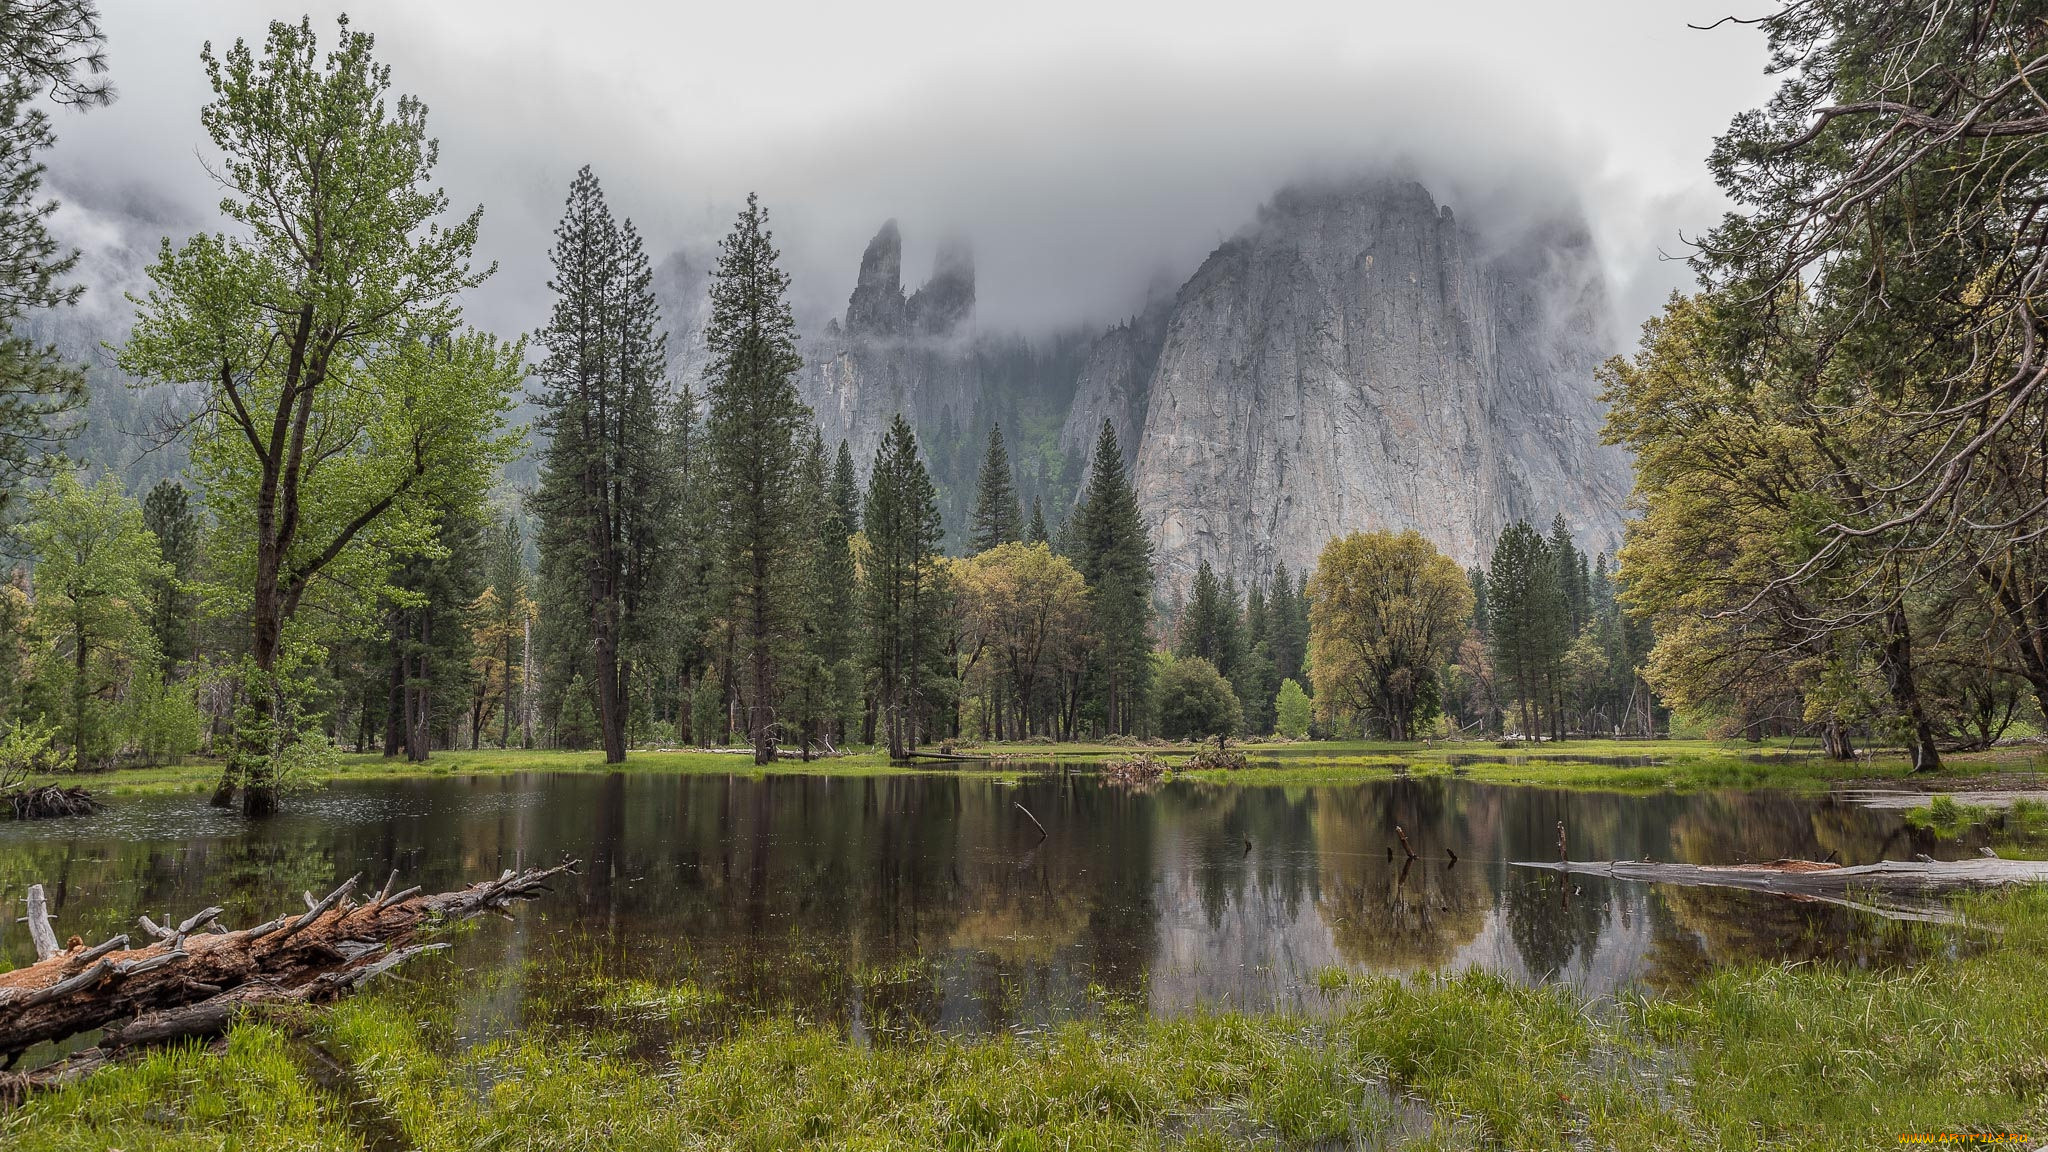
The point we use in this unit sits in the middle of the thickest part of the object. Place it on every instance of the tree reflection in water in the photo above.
(928, 901)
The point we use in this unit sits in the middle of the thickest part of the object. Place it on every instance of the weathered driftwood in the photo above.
(1832, 883)
(195, 978)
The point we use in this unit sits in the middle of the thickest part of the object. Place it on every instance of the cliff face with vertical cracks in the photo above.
(1357, 358)
(1360, 359)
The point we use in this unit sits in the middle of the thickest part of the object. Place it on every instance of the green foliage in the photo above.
(903, 594)
(1114, 553)
(756, 425)
(1210, 625)
(1529, 616)
(95, 564)
(28, 751)
(159, 717)
(51, 47)
(343, 408)
(606, 500)
(1386, 615)
(167, 513)
(1195, 701)
(997, 518)
(1293, 709)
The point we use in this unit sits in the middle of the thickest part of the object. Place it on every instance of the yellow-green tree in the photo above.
(1731, 489)
(1023, 614)
(1386, 614)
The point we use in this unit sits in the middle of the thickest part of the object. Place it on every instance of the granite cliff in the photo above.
(1356, 358)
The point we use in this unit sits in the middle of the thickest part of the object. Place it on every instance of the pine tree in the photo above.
(1115, 557)
(1209, 625)
(167, 512)
(809, 705)
(838, 642)
(1528, 613)
(1036, 534)
(1255, 682)
(1282, 608)
(753, 435)
(54, 47)
(602, 498)
(846, 495)
(901, 596)
(997, 519)
(687, 607)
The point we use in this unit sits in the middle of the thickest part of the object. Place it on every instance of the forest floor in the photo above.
(1608, 765)
(1767, 1055)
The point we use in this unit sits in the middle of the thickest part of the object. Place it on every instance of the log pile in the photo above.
(193, 979)
(49, 801)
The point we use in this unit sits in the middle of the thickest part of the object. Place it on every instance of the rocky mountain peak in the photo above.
(876, 306)
(947, 298)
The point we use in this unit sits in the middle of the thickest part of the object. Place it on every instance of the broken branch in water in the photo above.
(1034, 820)
(180, 985)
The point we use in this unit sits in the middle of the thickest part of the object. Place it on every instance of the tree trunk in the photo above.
(1834, 736)
(394, 698)
(1897, 661)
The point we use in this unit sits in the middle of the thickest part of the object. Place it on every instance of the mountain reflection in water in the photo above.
(931, 901)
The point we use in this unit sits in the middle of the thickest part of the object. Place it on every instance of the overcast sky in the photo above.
(1085, 147)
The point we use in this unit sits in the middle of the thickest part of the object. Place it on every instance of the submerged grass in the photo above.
(1784, 1056)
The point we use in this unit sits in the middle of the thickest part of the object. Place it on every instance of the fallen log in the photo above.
(1819, 880)
(195, 979)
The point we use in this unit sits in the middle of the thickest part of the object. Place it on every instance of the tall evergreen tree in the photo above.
(1255, 682)
(602, 497)
(1036, 534)
(901, 592)
(1288, 614)
(846, 494)
(808, 698)
(167, 512)
(997, 518)
(753, 436)
(1572, 580)
(431, 640)
(838, 595)
(51, 47)
(1115, 557)
(1528, 613)
(1209, 626)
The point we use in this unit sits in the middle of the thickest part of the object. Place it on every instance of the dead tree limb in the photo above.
(182, 985)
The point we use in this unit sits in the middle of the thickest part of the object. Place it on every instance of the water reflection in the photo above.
(930, 901)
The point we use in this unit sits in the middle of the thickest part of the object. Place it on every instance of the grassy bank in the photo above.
(1775, 1057)
(1598, 764)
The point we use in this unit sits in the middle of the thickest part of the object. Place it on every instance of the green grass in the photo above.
(1785, 1056)
(1592, 764)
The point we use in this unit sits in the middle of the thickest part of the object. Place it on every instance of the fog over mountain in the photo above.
(1085, 180)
